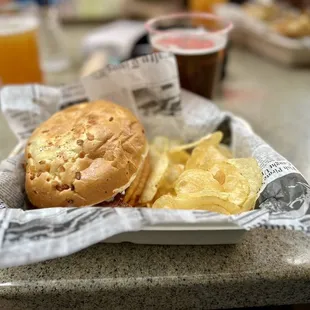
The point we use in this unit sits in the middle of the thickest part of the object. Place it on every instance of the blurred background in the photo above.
(263, 72)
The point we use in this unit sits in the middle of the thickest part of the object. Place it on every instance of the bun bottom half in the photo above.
(136, 188)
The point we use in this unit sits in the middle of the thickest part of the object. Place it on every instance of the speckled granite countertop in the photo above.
(267, 268)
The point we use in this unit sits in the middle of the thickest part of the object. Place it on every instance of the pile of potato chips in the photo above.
(201, 175)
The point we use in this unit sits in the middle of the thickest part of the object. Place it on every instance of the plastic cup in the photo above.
(198, 41)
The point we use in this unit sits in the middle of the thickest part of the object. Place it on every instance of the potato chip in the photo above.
(249, 204)
(175, 143)
(220, 177)
(167, 184)
(224, 149)
(207, 179)
(180, 157)
(165, 202)
(195, 181)
(164, 144)
(214, 138)
(235, 184)
(173, 173)
(250, 169)
(161, 144)
(205, 156)
(159, 165)
(209, 203)
(214, 154)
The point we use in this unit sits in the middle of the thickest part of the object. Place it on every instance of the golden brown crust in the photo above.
(135, 190)
(83, 155)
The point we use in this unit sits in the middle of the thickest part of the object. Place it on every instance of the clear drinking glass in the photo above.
(19, 47)
(198, 41)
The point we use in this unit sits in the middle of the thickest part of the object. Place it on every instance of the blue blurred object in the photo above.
(23, 3)
(38, 2)
(45, 2)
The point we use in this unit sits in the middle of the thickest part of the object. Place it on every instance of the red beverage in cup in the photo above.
(197, 44)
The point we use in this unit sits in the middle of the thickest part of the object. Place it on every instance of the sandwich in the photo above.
(89, 154)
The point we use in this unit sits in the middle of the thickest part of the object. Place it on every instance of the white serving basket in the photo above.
(182, 234)
(54, 232)
(178, 234)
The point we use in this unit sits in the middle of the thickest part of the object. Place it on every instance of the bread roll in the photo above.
(84, 155)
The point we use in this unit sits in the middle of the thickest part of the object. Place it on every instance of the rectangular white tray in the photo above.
(183, 234)
(258, 37)
(178, 234)
(283, 50)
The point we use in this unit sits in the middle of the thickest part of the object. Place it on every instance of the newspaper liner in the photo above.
(149, 86)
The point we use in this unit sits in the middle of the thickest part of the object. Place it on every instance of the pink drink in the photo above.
(199, 58)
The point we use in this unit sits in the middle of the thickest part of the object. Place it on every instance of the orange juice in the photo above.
(19, 51)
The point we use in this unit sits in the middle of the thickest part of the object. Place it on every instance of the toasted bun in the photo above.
(83, 155)
(136, 188)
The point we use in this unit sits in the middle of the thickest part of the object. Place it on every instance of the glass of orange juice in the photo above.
(19, 49)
